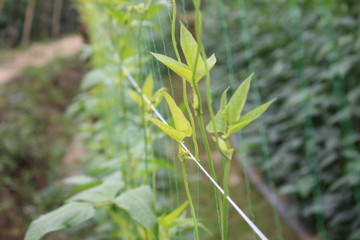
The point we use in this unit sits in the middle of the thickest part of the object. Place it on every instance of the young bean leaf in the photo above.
(179, 68)
(237, 101)
(182, 126)
(136, 97)
(249, 117)
(168, 221)
(148, 87)
(181, 123)
(172, 132)
(219, 120)
(189, 47)
(224, 148)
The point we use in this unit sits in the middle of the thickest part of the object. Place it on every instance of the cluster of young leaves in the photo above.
(193, 71)
(229, 120)
(147, 91)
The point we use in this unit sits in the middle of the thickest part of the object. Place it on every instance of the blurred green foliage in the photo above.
(305, 53)
(34, 137)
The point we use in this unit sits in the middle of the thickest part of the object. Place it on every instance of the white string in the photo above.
(237, 208)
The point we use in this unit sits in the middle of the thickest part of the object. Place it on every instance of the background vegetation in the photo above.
(34, 138)
(24, 21)
(305, 53)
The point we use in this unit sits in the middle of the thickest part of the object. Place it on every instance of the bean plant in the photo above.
(117, 108)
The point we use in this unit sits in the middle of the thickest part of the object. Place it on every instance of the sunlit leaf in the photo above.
(172, 132)
(202, 72)
(237, 101)
(181, 123)
(189, 47)
(249, 117)
(179, 68)
(219, 118)
(136, 97)
(168, 221)
(148, 87)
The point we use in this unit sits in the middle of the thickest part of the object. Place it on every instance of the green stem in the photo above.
(192, 122)
(187, 106)
(220, 203)
(188, 194)
(225, 204)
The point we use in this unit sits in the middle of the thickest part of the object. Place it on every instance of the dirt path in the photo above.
(38, 55)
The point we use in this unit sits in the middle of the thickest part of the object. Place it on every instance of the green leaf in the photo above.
(167, 221)
(138, 204)
(202, 72)
(189, 47)
(219, 118)
(103, 193)
(237, 101)
(181, 123)
(249, 117)
(179, 68)
(158, 96)
(136, 97)
(67, 216)
(148, 87)
(172, 132)
(224, 148)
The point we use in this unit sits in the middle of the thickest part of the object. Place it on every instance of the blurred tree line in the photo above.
(23, 21)
(306, 54)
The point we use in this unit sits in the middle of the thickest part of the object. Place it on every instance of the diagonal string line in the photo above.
(157, 113)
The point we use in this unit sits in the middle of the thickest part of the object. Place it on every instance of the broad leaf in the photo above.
(172, 132)
(237, 101)
(189, 47)
(67, 216)
(249, 117)
(181, 123)
(138, 204)
(103, 193)
(179, 68)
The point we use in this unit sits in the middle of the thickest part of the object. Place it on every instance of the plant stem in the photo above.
(188, 194)
(192, 122)
(220, 203)
(186, 102)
